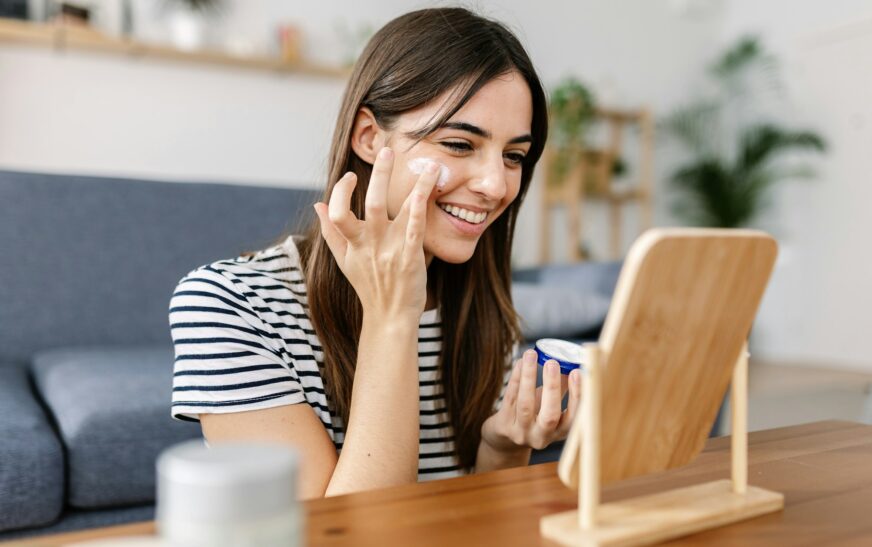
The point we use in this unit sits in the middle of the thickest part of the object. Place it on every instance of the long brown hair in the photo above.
(409, 62)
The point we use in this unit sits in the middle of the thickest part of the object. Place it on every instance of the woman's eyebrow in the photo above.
(484, 133)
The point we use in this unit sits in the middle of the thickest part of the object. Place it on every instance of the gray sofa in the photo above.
(88, 268)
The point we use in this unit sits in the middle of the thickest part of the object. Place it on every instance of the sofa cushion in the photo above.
(112, 407)
(549, 311)
(585, 277)
(31, 457)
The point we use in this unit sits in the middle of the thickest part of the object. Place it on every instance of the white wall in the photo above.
(817, 309)
(104, 115)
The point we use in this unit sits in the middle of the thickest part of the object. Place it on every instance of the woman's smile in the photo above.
(464, 221)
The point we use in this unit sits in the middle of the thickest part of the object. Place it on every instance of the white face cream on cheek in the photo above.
(418, 165)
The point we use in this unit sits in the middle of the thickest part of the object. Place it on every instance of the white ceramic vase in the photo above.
(187, 29)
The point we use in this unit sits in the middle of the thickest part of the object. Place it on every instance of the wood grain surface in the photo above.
(682, 311)
(824, 470)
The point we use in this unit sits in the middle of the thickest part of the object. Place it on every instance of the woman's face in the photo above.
(481, 148)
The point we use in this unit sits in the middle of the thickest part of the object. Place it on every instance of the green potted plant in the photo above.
(732, 165)
(572, 108)
(573, 111)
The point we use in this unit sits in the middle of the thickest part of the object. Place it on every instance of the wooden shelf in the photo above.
(591, 177)
(72, 38)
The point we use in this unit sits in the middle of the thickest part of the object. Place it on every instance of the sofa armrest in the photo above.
(31, 456)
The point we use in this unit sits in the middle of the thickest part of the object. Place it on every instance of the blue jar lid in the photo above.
(568, 355)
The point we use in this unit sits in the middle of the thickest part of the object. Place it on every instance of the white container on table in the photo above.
(230, 494)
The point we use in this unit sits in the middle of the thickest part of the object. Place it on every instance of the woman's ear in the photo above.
(367, 138)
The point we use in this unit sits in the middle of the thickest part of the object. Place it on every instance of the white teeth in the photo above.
(468, 216)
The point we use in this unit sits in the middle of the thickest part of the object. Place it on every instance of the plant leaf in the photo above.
(759, 143)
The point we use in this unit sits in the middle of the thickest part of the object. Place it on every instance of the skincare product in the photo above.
(568, 355)
(232, 494)
(418, 165)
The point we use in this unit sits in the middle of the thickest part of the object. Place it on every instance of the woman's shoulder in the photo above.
(280, 262)
(272, 274)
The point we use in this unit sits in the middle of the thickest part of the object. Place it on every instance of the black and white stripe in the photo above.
(243, 341)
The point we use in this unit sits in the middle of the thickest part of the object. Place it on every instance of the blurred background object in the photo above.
(71, 13)
(290, 38)
(353, 37)
(734, 149)
(190, 22)
(15, 9)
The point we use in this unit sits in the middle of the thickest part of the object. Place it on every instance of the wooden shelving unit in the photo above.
(72, 38)
(590, 178)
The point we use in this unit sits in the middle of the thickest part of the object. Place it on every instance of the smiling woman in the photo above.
(380, 342)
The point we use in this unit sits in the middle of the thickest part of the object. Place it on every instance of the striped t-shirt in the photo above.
(243, 341)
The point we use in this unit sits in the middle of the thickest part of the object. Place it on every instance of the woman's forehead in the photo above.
(503, 107)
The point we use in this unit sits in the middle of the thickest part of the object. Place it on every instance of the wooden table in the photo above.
(824, 470)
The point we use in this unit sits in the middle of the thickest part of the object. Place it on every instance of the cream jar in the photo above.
(229, 494)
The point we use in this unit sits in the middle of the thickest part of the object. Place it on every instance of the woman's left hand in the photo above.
(532, 417)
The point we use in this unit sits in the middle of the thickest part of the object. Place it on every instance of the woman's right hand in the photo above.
(383, 259)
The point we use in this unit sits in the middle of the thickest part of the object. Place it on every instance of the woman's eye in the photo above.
(516, 159)
(457, 146)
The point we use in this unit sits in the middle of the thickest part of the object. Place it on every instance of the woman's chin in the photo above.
(456, 254)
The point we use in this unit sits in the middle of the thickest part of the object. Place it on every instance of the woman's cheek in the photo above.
(416, 166)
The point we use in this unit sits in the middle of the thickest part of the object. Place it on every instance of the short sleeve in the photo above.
(227, 359)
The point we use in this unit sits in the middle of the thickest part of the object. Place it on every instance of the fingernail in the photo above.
(432, 167)
(385, 153)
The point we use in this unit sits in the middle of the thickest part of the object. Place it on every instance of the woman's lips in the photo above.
(463, 226)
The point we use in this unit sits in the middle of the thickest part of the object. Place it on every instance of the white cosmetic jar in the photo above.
(229, 494)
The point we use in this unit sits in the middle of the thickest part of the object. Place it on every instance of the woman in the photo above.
(440, 128)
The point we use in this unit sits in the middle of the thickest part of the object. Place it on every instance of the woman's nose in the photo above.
(490, 181)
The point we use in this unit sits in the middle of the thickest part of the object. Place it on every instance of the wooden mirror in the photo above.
(673, 339)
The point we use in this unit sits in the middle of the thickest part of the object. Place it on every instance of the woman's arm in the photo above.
(294, 425)
(384, 261)
(381, 440)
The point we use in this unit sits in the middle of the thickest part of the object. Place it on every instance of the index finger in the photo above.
(423, 188)
(420, 197)
(549, 409)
